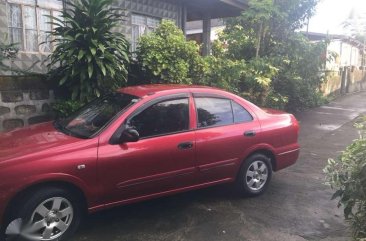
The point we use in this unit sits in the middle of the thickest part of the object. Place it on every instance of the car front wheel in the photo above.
(50, 214)
(255, 175)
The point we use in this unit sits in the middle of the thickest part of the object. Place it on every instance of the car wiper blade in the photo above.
(57, 124)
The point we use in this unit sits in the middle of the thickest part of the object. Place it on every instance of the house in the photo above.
(346, 51)
(24, 22)
(345, 70)
(194, 30)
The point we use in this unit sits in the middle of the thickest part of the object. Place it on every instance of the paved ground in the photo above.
(297, 206)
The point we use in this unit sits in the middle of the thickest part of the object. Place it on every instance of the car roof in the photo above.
(143, 90)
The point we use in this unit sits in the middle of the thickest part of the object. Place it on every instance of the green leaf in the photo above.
(63, 80)
(81, 54)
(90, 70)
(102, 48)
(102, 68)
(93, 51)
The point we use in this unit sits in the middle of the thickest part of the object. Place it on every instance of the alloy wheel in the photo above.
(256, 175)
(50, 220)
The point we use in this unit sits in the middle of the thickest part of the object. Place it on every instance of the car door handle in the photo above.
(250, 133)
(185, 145)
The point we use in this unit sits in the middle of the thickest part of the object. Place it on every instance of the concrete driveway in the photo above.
(296, 206)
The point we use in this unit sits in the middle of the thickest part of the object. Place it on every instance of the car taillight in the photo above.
(296, 124)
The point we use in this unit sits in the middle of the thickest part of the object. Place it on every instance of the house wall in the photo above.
(346, 80)
(24, 101)
(30, 61)
(154, 8)
(36, 62)
(347, 55)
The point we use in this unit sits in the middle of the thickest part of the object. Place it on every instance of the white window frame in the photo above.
(22, 5)
(146, 26)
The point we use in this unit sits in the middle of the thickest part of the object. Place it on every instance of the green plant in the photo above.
(168, 57)
(90, 58)
(7, 52)
(64, 108)
(251, 79)
(282, 66)
(255, 84)
(224, 73)
(347, 175)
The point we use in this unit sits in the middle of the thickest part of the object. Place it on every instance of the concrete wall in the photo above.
(346, 80)
(24, 101)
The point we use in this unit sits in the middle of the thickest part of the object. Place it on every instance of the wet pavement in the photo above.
(296, 207)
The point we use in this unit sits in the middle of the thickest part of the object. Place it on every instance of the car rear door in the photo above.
(162, 160)
(225, 130)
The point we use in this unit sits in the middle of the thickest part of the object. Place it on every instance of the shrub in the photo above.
(224, 73)
(90, 58)
(168, 57)
(299, 77)
(251, 79)
(255, 84)
(347, 175)
(64, 108)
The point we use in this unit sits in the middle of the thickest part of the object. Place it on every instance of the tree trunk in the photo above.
(259, 40)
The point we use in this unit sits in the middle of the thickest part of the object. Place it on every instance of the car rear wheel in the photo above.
(254, 175)
(51, 214)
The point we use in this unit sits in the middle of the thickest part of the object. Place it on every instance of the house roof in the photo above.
(198, 9)
(198, 25)
(312, 36)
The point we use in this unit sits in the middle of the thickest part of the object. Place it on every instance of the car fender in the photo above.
(257, 148)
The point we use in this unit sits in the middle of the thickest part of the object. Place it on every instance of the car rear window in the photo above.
(241, 114)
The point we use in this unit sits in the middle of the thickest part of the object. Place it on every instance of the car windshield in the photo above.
(91, 118)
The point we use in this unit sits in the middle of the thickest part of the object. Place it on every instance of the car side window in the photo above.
(162, 118)
(241, 114)
(213, 111)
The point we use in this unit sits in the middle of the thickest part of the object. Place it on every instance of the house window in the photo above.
(141, 25)
(15, 24)
(29, 23)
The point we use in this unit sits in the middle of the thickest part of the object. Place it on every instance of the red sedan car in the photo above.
(136, 144)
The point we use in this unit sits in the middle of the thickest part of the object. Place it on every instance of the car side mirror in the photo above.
(129, 135)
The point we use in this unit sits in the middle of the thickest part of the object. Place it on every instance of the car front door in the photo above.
(225, 129)
(162, 160)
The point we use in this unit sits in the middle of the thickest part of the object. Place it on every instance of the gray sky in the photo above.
(331, 14)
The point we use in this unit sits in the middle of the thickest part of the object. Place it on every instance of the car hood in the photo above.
(30, 140)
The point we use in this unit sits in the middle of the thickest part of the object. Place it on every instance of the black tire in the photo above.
(243, 179)
(25, 209)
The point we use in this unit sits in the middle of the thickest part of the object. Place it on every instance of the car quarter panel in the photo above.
(281, 132)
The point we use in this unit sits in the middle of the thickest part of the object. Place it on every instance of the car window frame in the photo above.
(217, 96)
(150, 103)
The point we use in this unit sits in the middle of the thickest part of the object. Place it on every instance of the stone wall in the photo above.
(23, 101)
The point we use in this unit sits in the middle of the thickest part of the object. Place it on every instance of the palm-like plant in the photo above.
(7, 51)
(90, 58)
